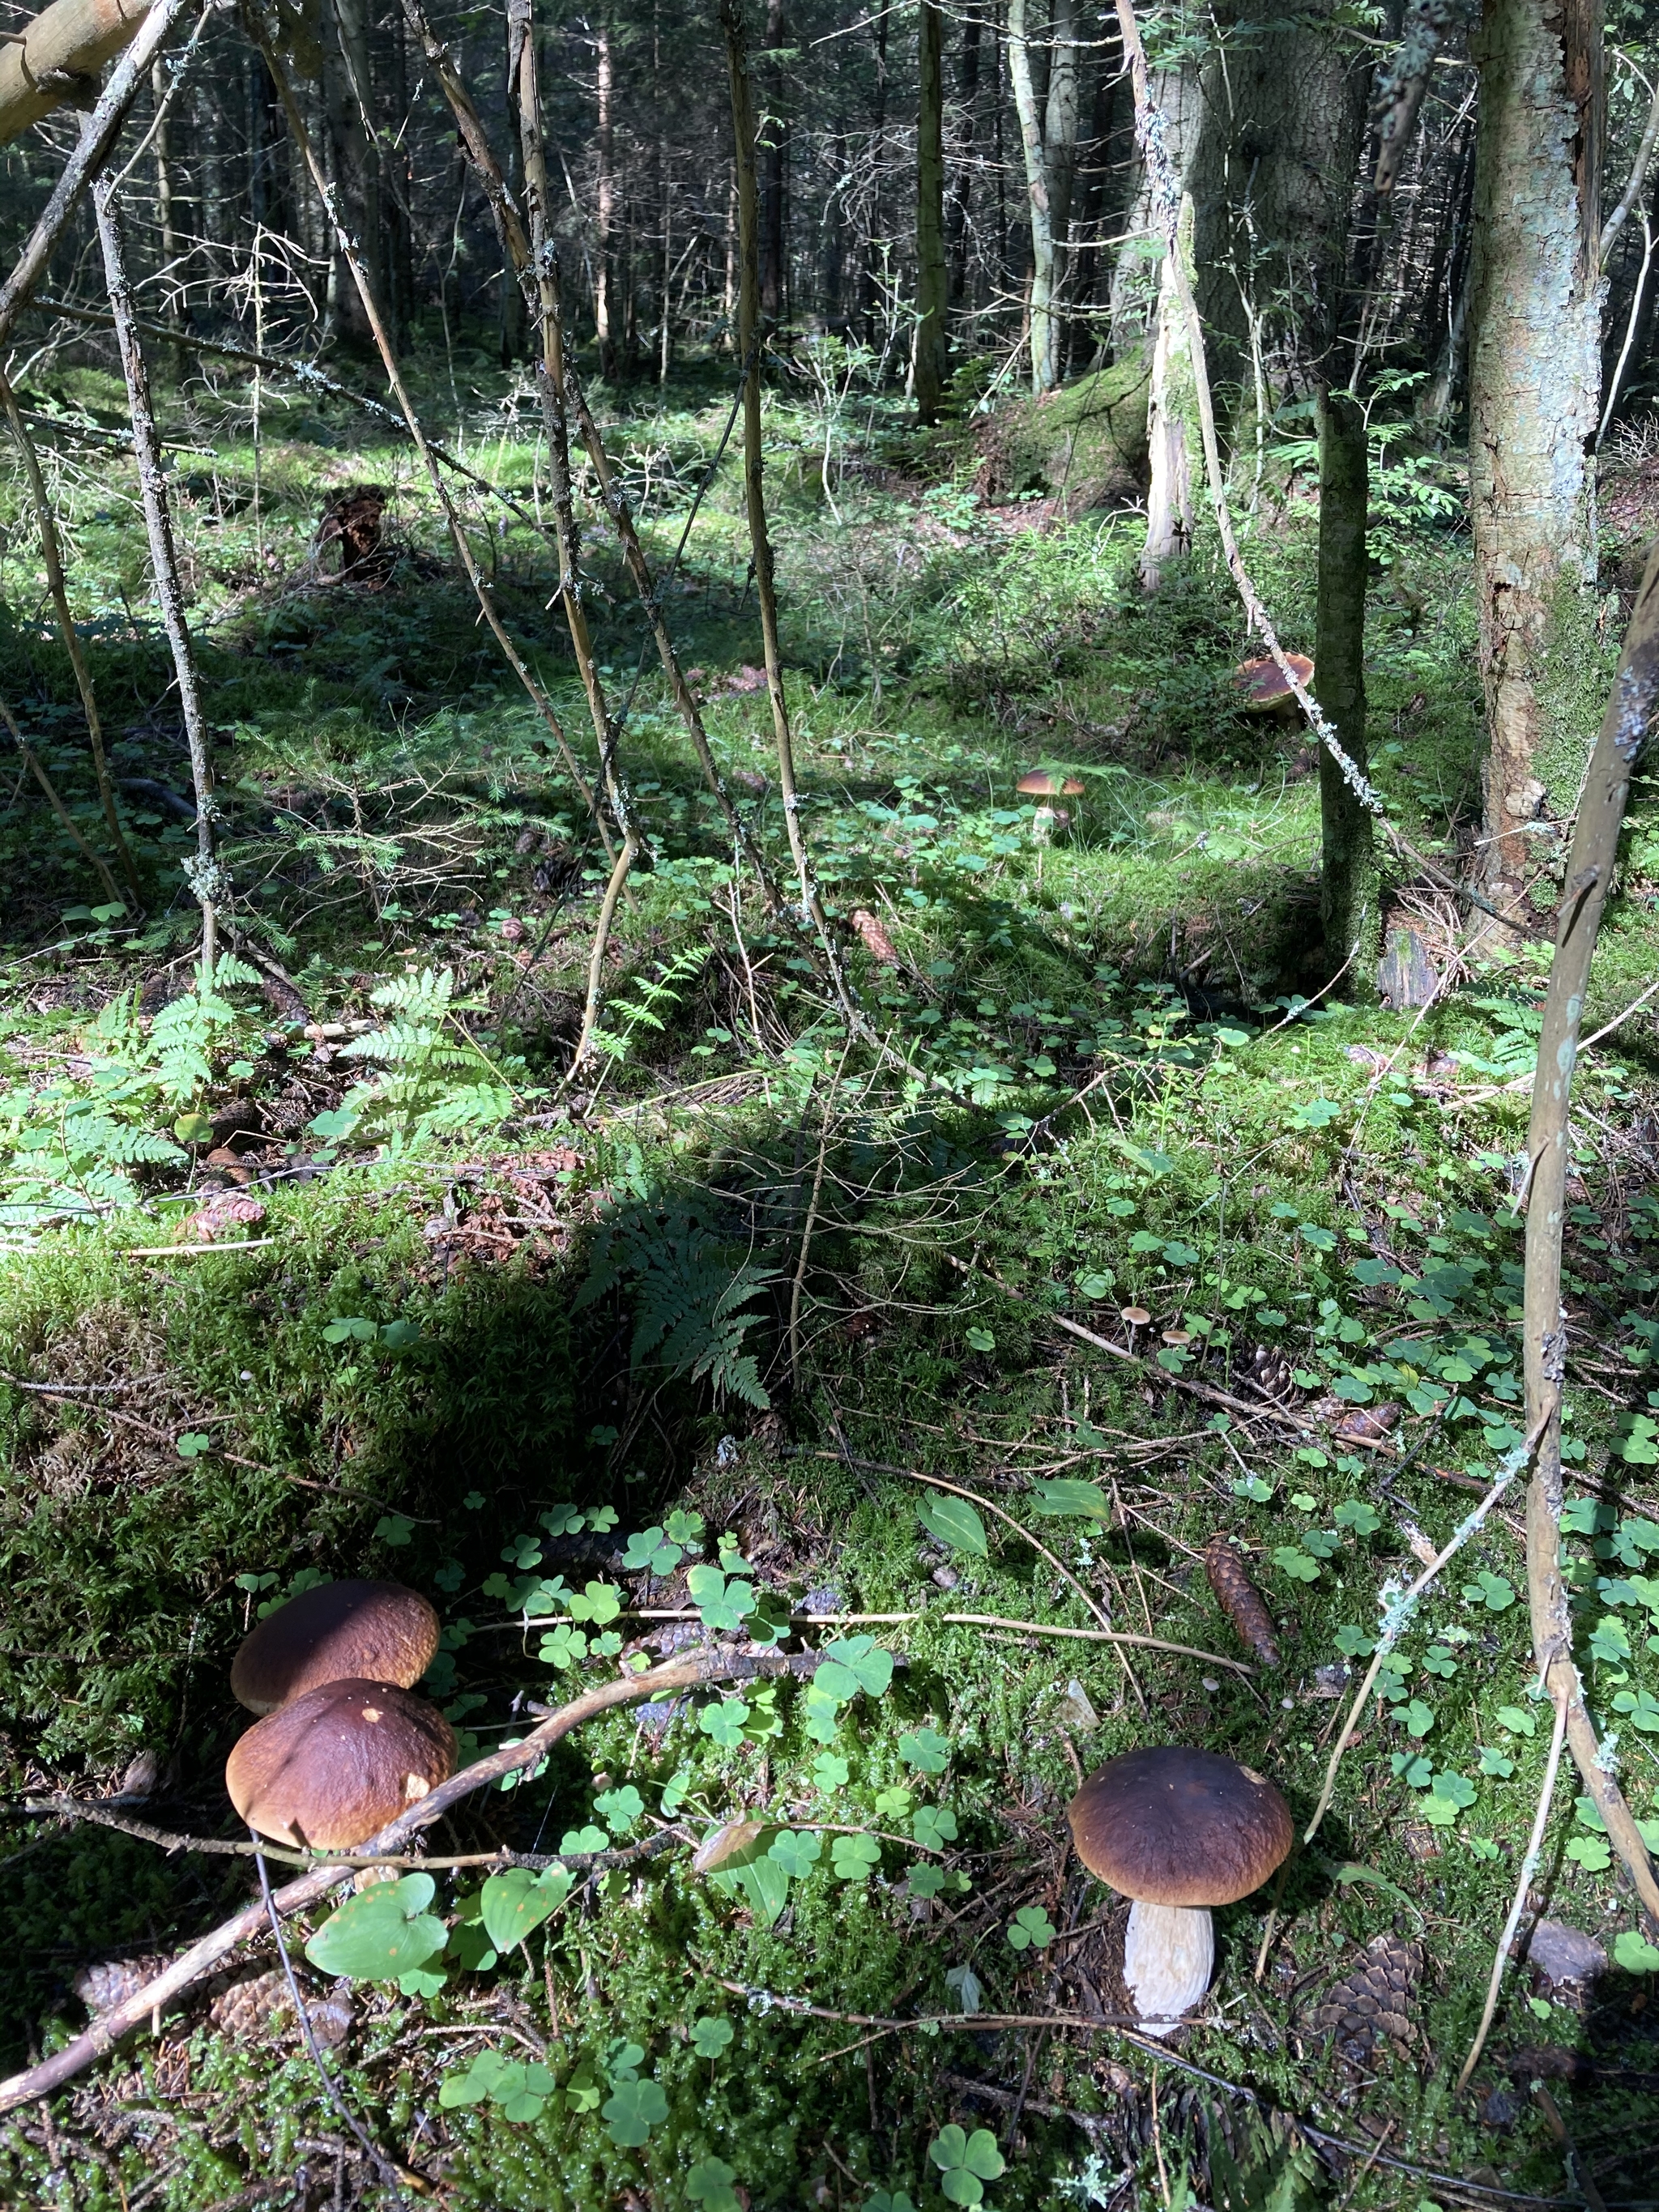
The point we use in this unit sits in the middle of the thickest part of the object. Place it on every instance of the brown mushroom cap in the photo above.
(1262, 681)
(332, 1767)
(1038, 783)
(1173, 1826)
(368, 1631)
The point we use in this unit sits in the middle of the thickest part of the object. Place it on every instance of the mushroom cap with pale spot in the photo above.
(331, 1768)
(337, 1632)
(1168, 1825)
(1262, 681)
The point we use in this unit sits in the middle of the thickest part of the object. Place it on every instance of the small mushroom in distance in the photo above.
(1178, 1831)
(331, 1768)
(1040, 783)
(337, 1632)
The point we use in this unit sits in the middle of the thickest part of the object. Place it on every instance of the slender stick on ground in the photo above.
(98, 132)
(51, 556)
(194, 1965)
(204, 873)
(1590, 873)
(1523, 1883)
(353, 257)
(742, 128)
(33, 761)
(382, 2164)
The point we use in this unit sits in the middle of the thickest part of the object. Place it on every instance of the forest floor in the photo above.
(338, 1276)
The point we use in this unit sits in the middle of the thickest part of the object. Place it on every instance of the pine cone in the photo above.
(1270, 1371)
(248, 2008)
(112, 1983)
(1373, 2000)
(1240, 1599)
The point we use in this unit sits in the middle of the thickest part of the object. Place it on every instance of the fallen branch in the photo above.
(1523, 1883)
(195, 1964)
(1590, 873)
(98, 134)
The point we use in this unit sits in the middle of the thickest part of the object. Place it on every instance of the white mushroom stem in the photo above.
(1169, 1953)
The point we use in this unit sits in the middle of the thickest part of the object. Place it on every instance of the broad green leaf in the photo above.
(954, 1523)
(1066, 1499)
(381, 1933)
(515, 1904)
(925, 1749)
(632, 2111)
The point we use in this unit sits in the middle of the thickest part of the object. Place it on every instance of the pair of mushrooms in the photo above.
(343, 1748)
(1178, 1831)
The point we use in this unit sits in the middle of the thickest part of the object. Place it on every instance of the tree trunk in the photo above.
(932, 361)
(352, 159)
(1272, 180)
(1045, 373)
(1171, 416)
(1348, 884)
(604, 206)
(962, 190)
(773, 148)
(1060, 130)
(1534, 382)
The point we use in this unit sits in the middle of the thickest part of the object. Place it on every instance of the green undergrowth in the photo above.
(679, 1338)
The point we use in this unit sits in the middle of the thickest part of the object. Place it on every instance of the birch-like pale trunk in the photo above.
(1534, 385)
(1045, 371)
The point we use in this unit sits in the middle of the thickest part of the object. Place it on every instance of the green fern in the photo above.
(658, 995)
(430, 1076)
(689, 1287)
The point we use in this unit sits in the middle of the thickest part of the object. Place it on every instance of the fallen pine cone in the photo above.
(1240, 1599)
(877, 942)
(1373, 2000)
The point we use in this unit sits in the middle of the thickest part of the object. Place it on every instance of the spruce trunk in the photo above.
(1348, 886)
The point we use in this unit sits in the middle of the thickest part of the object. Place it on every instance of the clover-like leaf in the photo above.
(631, 2112)
(711, 2035)
(933, 1827)
(723, 1721)
(855, 1663)
(854, 1858)
(708, 2183)
(797, 1850)
(1030, 1929)
(925, 1749)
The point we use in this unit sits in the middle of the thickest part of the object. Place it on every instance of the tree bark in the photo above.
(1348, 885)
(1272, 181)
(57, 57)
(1059, 128)
(1045, 371)
(962, 190)
(1535, 384)
(933, 358)
(1170, 406)
(772, 148)
(604, 204)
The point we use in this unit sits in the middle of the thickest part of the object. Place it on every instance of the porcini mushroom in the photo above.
(362, 1631)
(1040, 783)
(1262, 687)
(1178, 1831)
(331, 1768)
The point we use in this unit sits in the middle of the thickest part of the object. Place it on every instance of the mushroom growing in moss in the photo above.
(1042, 783)
(337, 1632)
(1178, 1831)
(331, 1768)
